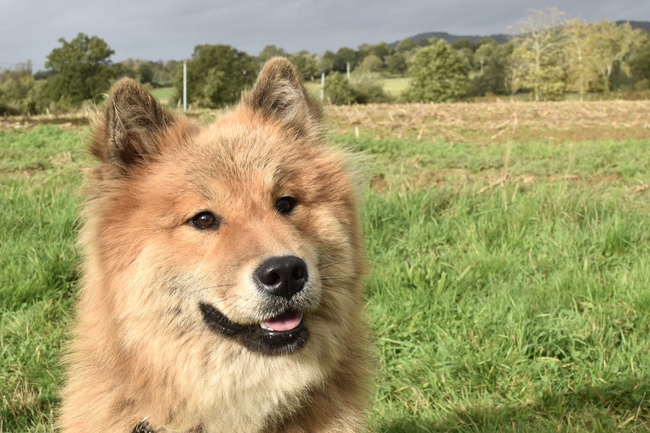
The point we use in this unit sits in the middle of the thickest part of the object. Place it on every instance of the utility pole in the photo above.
(184, 86)
(322, 86)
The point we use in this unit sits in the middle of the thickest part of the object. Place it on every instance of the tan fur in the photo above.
(140, 347)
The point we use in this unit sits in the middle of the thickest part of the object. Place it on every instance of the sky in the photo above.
(170, 29)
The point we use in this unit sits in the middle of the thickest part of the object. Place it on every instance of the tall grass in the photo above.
(530, 318)
(509, 290)
(40, 173)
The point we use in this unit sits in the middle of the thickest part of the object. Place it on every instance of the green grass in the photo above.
(525, 318)
(165, 95)
(513, 308)
(626, 163)
(396, 86)
(40, 173)
(519, 305)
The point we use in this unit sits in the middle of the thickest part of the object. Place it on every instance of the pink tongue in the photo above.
(285, 322)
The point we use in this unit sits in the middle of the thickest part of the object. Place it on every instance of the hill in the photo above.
(500, 37)
(643, 25)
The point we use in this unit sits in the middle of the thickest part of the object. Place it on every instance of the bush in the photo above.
(8, 110)
(338, 90)
(368, 89)
(362, 88)
(20, 93)
(554, 91)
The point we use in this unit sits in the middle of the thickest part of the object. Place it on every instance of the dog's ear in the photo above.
(129, 132)
(279, 93)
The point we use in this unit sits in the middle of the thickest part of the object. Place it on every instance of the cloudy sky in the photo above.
(169, 29)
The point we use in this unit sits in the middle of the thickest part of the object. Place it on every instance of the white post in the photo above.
(184, 86)
(322, 86)
(348, 63)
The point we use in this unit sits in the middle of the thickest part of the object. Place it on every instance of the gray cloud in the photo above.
(169, 29)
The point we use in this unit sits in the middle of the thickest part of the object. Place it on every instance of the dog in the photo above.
(223, 267)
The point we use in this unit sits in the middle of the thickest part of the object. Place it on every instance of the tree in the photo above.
(397, 64)
(610, 45)
(465, 43)
(82, 69)
(484, 52)
(538, 48)
(122, 69)
(144, 72)
(216, 75)
(329, 62)
(494, 77)
(641, 62)
(168, 72)
(305, 65)
(371, 63)
(438, 74)
(382, 50)
(268, 52)
(577, 49)
(405, 45)
(348, 55)
(467, 54)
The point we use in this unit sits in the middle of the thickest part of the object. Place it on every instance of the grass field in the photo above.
(509, 290)
(165, 95)
(396, 86)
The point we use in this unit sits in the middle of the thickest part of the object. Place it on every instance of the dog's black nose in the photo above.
(281, 276)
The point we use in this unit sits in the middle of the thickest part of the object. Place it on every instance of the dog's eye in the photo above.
(285, 205)
(204, 221)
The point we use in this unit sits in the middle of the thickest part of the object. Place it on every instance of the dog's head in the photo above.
(244, 231)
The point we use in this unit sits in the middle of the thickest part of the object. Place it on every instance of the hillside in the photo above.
(643, 25)
(500, 37)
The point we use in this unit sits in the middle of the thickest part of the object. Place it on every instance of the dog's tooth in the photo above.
(264, 326)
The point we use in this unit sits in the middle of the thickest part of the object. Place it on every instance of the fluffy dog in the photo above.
(222, 284)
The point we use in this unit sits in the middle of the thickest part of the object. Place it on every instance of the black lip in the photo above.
(254, 337)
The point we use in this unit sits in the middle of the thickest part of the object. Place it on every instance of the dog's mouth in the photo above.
(279, 335)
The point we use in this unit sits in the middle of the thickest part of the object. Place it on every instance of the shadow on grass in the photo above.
(619, 406)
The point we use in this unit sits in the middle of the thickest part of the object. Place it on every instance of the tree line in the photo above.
(547, 57)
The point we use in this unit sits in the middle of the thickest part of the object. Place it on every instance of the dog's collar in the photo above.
(144, 427)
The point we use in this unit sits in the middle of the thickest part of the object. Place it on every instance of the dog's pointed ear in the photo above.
(130, 130)
(279, 93)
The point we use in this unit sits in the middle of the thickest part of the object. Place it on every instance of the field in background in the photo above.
(165, 95)
(510, 247)
(493, 123)
(393, 86)
(396, 86)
